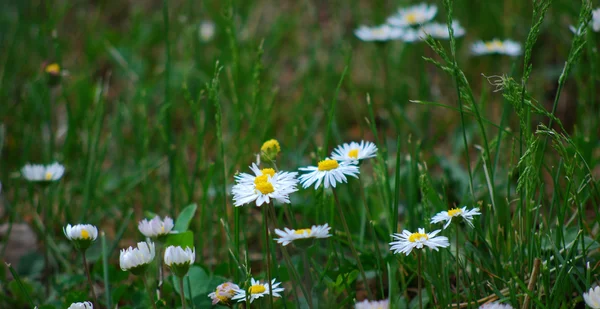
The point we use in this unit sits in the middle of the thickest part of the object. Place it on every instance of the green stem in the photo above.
(268, 248)
(149, 290)
(160, 268)
(457, 270)
(87, 272)
(182, 292)
(374, 235)
(419, 283)
(307, 277)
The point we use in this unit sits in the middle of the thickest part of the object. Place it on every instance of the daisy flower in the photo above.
(496, 46)
(83, 305)
(440, 31)
(354, 151)
(270, 149)
(223, 293)
(156, 227)
(206, 31)
(592, 297)
(137, 259)
(257, 290)
(39, 172)
(458, 213)
(330, 170)
(82, 235)
(289, 235)
(413, 15)
(179, 259)
(495, 305)
(373, 304)
(266, 184)
(596, 20)
(408, 241)
(380, 33)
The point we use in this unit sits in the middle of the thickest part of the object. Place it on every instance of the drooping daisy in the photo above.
(179, 259)
(39, 172)
(81, 235)
(496, 46)
(408, 241)
(328, 171)
(354, 151)
(413, 15)
(440, 31)
(257, 290)
(83, 305)
(459, 213)
(380, 33)
(137, 259)
(373, 304)
(289, 235)
(224, 293)
(592, 297)
(264, 186)
(495, 305)
(156, 227)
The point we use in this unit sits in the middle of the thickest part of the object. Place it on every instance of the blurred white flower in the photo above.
(495, 305)
(179, 259)
(354, 151)
(380, 33)
(264, 186)
(495, 46)
(413, 15)
(592, 297)
(156, 227)
(463, 213)
(289, 235)
(136, 259)
(258, 290)
(373, 304)
(440, 31)
(206, 30)
(331, 171)
(596, 20)
(39, 172)
(83, 305)
(408, 241)
(223, 293)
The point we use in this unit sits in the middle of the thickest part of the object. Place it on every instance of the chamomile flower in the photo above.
(496, 46)
(206, 31)
(137, 259)
(329, 172)
(258, 290)
(495, 305)
(592, 297)
(373, 304)
(39, 172)
(380, 33)
(440, 31)
(82, 305)
(224, 293)
(458, 213)
(81, 235)
(179, 259)
(354, 151)
(408, 241)
(413, 16)
(156, 227)
(264, 186)
(289, 235)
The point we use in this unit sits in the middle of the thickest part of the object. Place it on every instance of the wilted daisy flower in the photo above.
(330, 170)
(270, 149)
(39, 172)
(440, 31)
(458, 213)
(408, 241)
(156, 227)
(223, 293)
(82, 235)
(264, 186)
(378, 33)
(495, 305)
(83, 305)
(206, 31)
(257, 290)
(289, 235)
(496, 46)
(179, 259)
(373, 304)
(354, 151)
(137, 259)
(592, 297)
(413, 15)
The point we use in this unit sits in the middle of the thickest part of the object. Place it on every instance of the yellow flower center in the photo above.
(302, 231)
(264, 187)
(328, 165)
(48, 176)
(268, 171)
(271, 145)
(85, 234)
(257, 289)
(261, 179)
(162, 229)
(494, 44)
(454, 212)
(414, 237)
(411, 18)
(53, 68)
(353, 153)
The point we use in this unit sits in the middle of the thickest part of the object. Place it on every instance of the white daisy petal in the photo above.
(380, 33)
(495, 46)
(458, 213)
(592, 297)
(287, 236)
(413, 15)
(329, 172)
(266, 184)
(43, 173)
(407, 241)
(257, 290)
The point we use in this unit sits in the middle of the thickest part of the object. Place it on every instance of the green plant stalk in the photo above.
(167, 110)
(159, 265)
(307, 277)
(105, 256)
(149, 291)
(236, 235)
(419, 275)
(190, 291)
(268, 250)
(378, 258)
(20, 283)
(87, 272)
(182, 294)
(457, 269)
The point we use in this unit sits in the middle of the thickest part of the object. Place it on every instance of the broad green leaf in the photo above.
(185, 217)
(185, 239)
(201, 285)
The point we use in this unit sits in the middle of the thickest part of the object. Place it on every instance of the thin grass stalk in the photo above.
(182, 293)
(167, 110)
(307, 277)
(91, 284)
(149, 291)
(419, 275)
(105, 271)
(159, 265)
(378, 258)
(457, 268)
(20, 284)
(268, 249)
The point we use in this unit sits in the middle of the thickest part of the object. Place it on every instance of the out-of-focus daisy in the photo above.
(137, 259)
(289, 235)
(264, 186)
(458, 213)
(155, 227)
(206, 31)
(495, 305)
(413, 15)
(328, 171)
(413, 35)
(496, 46)
(224, 293)
(373, 304)
(258, 290)
(179, 259)
(39, 172)
(596, 20)
(380, 33)
(270, 149)
(440, 31)
(83, 305)
(354, 151)
(407, 241)
(592, 297)
(82, 235)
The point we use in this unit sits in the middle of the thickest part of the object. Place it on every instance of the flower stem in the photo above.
(347, 230)
(419, 279)
(182, 292)
(149, 290)
(268, 248)
(87, 272)
(378, 257)
(457, 270)
(160, 269)
(307, 277)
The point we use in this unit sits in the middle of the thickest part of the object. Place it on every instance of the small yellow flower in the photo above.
(53, 69)
(270, 149)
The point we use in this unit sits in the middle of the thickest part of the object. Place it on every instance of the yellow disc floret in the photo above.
(353, 153)
(270, 149)
(264, 187)
(454, 212)
(257, 289)
(261, 179)
(268, 171)
(302, 231)
(53, 68)
(417, 236)
(411, 18)
(48, 176)
(327, 165)
(85, 234)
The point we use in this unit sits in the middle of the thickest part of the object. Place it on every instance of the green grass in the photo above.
(151, 119)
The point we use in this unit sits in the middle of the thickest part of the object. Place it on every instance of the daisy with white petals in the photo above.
(456, 213)
(264, 185)
(373, 304)
(380, 33)
(83, 305)
(156, 227)
(39, 172)
(329, 172)
(496, 46)
(440, 31)
(592, 297)
(289, 235)
(413, 16)
(137, 259)
(179, 259)
(354, 151)
(258, 290)
(495, 305)
(407, 241)
(224, 293)
(596, 20)
(82, 235)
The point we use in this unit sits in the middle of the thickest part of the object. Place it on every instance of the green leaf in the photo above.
(185, 239)
(185, 217)
(201, 285)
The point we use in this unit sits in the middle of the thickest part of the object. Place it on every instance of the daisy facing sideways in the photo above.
(329, 172)
(223, 293)
(496, 46)
(592, 297)
(354, 151)
(264, 185)
(257, 290)
(407, 241)
(39, 172)
(380, 33)
(373, 304)
(456, 213)
(413, 15)
(289, 235)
